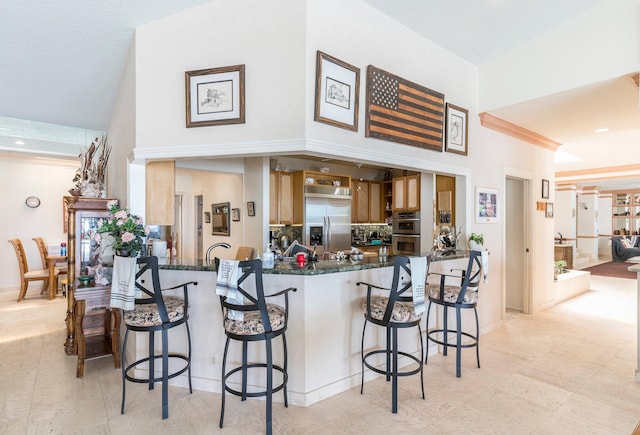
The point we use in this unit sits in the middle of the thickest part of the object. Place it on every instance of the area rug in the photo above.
(613, 269)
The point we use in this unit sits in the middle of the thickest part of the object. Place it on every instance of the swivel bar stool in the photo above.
(152, 313)
(458, 297)
(253, 321)
(393, 310)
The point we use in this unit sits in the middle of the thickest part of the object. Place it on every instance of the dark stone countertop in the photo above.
(310, 267)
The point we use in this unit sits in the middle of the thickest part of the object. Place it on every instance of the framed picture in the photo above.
(456, 129)
(549, 210)
(337, 91)
(486, 205)
(207, 217)
(545, 189)
(251, 208)
(215, 96)
(541, 206)
(235, 214)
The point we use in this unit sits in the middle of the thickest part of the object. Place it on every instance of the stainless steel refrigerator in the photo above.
(327, 218)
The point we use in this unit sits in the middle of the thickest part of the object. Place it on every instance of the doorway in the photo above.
(517, 288)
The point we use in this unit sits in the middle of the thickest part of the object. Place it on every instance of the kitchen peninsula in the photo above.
(325, 322)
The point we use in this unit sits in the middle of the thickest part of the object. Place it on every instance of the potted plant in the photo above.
(125, 232)
(559, 266)
(476, 241)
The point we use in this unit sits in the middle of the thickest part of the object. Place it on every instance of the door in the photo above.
(198, 222)
(516, 251)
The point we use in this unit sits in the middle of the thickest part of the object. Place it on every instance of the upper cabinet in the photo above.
(281, 198)
(406, 193)
(366, 202)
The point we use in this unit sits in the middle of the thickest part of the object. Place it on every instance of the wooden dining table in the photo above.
(52, 260)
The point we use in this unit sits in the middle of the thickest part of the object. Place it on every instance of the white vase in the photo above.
(475, 246)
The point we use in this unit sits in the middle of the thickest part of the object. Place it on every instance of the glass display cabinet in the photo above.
(83, 252)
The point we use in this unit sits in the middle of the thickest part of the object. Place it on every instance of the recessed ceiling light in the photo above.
(601, 130)
(19, 142)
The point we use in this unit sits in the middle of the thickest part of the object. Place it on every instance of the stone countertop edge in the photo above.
(309, 268)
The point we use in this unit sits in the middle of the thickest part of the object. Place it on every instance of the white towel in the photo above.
(418, 278)
(485, 265)
(123, 283)
(227, 285)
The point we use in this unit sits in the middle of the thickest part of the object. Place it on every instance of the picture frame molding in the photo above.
(451, 111)
(482, 195)
(341, 75)
(215, 80)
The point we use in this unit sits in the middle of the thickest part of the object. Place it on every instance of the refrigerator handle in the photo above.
(325, 240)
(329, 232)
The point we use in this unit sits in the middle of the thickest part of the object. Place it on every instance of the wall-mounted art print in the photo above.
(215, 96)
(251, 208)
(486, 205)
(545, 189)
(549, 211)
(235, 214)
(403, 112)
(456, 128)
(337, 91)
(207, 217)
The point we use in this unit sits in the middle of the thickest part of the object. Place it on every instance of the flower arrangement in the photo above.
(126, 230)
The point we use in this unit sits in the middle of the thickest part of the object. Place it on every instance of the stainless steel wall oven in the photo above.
(406, 233)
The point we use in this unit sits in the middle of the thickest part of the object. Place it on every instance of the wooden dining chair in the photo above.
(26, 275)
(44, 253)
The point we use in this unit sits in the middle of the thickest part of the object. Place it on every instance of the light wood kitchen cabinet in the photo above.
(406, 193)
(281, 198)
(366, 201)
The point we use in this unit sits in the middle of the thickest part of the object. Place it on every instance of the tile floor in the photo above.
(567, 370)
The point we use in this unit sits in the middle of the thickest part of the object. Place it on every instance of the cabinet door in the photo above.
(413, 193)
(362, 202)
(398, 194)
(273, 197)
(375, 202)
(286, 198)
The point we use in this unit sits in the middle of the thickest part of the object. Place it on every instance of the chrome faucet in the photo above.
(207, 256)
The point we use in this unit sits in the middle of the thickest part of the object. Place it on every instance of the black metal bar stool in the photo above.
(152, 313)
(252, 321)
(393, 312)
(457, 297)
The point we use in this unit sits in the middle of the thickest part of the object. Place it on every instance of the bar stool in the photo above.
(156, 313)
(458, 298)
(254, 321)
(393, 312)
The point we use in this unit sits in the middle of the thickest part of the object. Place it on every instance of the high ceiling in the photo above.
(62, 63)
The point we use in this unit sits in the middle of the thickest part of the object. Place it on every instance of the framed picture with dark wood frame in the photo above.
(251, 208)
(215, 96)
(545, 189)
(235, 214)
(456, 129)
(337, 92)
(207, 217)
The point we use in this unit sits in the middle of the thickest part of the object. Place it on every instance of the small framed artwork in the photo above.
(549, 210)
(207, 217)
(215, 96)
(456, 129)
(541, 206)
(545, 189)
(235, 214)
(486, 205)
(251, 208)
(337, 91)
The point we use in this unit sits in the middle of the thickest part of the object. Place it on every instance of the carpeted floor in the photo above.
(613, 269)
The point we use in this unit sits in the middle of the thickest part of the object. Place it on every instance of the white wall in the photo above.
(605, 203)
(24, 176)
(600, 44)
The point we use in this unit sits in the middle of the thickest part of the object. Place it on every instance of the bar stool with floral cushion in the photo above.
(395, 308)
(247, 317)
(462, 294)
